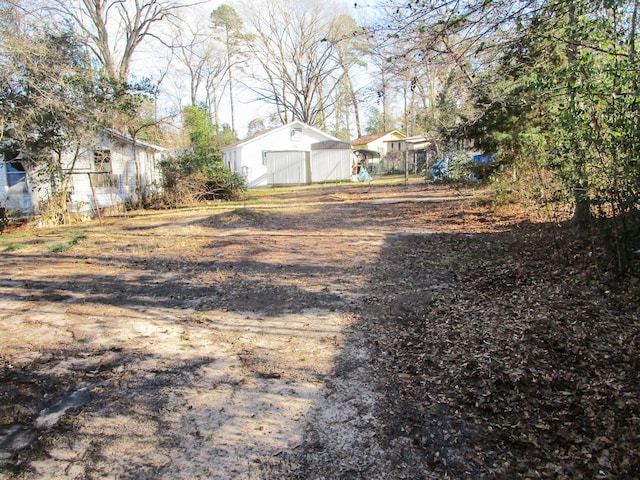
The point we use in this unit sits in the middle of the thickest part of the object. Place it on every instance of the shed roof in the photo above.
(331, 145)
(367, 153)
(128, 139)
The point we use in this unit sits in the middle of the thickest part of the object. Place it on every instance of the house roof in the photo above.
(366, 139)
(128, 139)
(259, 136)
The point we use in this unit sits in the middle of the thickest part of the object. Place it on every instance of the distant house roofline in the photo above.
(372, 137)
(129, 139)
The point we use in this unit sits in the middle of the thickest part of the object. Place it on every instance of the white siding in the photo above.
(287, 168)
(247, 157)
(330, 165)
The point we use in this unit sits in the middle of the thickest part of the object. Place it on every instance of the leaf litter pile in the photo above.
(501, 353)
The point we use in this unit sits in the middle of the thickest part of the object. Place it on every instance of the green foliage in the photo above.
(375, 121)
(564, 99)
(45, 96)
(198, 174)
(124, 105)
(227, 136)
(226, 18)
(12, 247)
(64, 246)
(202, 137)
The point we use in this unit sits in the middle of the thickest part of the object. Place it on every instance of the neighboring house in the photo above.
(291, 154)
(104, 175)
(421, 153)
(389, 146)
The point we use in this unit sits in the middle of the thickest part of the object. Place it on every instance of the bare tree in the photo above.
(226, 21)
(297, 71)
(203, 62)
(351, 47)
(114, 29)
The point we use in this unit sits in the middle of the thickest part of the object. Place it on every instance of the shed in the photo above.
(292, 154)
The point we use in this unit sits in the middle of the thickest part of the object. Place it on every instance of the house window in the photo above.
(16, 176)
(102, 176)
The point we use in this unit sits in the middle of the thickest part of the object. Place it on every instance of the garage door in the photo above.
(288, 168)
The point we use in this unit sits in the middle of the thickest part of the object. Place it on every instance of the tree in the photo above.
(426, 57)
(198, 173)
(54, 101)
(351, 45)
(297, 71)
(227, 21)
(597, 118)
(114, 29)
(205, 64)
(556, 81)
(202, 136)
(193, 49)
(50, 103)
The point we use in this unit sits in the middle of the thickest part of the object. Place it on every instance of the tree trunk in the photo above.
(582, 204)
(354, 102)
(138, 201)
(230, 77)
(582, 207)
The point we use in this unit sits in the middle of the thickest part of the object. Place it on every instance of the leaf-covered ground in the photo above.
(353, 332)
(501, 353)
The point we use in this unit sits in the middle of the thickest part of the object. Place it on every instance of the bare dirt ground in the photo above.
(358, 331)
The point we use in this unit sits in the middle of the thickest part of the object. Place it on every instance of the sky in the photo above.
(152, 59)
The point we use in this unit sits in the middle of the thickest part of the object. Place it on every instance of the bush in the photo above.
(186, 181)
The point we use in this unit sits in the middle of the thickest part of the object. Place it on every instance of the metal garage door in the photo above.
(330, 161)
(330, 165)
(288, 168)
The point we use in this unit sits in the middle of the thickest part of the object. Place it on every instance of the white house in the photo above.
(104, 175)
(291, 154)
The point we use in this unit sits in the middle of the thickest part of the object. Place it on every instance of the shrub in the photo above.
(186, 181)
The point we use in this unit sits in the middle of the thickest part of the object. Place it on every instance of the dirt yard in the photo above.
(353, 332)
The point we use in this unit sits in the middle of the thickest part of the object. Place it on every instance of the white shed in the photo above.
(293, 154)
